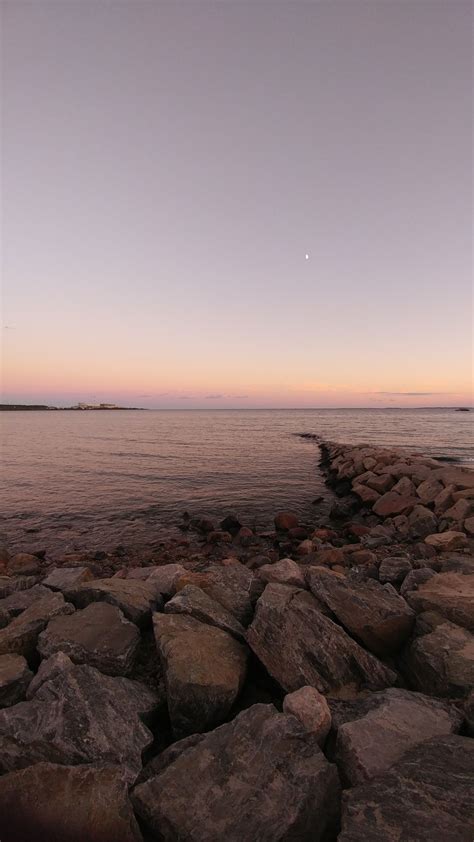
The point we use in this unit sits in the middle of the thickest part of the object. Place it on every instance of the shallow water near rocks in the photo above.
(75, 480)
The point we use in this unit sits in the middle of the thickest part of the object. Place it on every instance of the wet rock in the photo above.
(98, 635)
(197, 603)
(136, 599)
(299, 645)
(286, 572)
(427, 794)
(14, 679)
(230, 524)
(422, 522)
(311, 709)
(285, 521)
(165, 578)
(375, 614)
(79, 716)
(63, 578)
(447, 541)
(373, 733)
(67, 804)
(450, 594)
(441, 662)
(415, 578)
(227, 788)
(204, 669)
(218, 537)
(19, 601)
(21, 635)
(24, 564)
(393, 569)
(391, 504)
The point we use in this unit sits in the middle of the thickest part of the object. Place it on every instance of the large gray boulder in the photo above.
(374, 613)
(14, 679)
(204, 670)
(79, 716)
(259, 777)
(98, 635)
(450, 594)
(441, 662)
(427, 795)
(136, 599)
(67, 804)
(197, 603)
(375, 731)
(299, 645)
(21, 635)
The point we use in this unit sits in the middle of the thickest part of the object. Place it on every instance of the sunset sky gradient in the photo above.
(166, 168)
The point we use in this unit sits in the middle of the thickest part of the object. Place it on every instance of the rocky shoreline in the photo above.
(312, 682)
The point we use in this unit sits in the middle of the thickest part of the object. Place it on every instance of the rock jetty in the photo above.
(310, 683)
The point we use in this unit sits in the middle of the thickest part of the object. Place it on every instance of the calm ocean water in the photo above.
(98, 479)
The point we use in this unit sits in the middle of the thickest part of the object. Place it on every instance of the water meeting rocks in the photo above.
(374, 613)
(261, 776)
(136, 599)
(79, 716)
(427, 794)
(98, 635)
(204, 670)
(301, 646)
(67, 804)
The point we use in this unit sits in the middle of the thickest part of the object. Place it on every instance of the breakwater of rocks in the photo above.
(311, 682)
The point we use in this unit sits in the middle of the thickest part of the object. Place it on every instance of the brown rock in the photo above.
(393, 569)
(405, 487)
(441, 663)
(392, 503)
(23, 564)
(422, 522)
(198, 604)
(428, 490)
(311, 709)
(285, 521)
(330, 556)
(459, 511)
(449, 594)
(447, 541)
(381, 483)
(135, 599)
(21, 635)
(286, 572)
(367, 495)
(469, 525)
(14, 679)
(63, 578)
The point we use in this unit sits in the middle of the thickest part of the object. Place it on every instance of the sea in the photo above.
(75, 480)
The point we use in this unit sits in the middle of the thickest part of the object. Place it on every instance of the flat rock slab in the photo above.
(67, 804)
(21, 635)
(441, 662)
(450, 594)
(427, 795)
(373, 733)
(197, 603)
(136, 599)
(204, 670)
(63, 578)
(79, 716)
(391, 504)
(19, 601)
(299, 645)
(259, 777)
(98, 635)
(14, 679)
(374, 613)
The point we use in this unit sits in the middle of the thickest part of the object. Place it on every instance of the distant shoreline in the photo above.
(43, 408)
(5, 407)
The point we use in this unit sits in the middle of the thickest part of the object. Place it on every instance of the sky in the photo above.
(237, 204)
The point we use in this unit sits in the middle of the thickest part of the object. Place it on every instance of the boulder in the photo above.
(450, 594)
(9, 585)
(374, 732)
(67, 804)
(391, 504)
(428, 490)
(393, 569)
(14, 679)
(197, 603)
(311, 709)
(365, 494)
(286, 572)
(441, 662)
(233, 585)
(260, 777)
(285, 521)
(427, 794)
(165, 577)
(204, 670)
(136, 599)
(19, 601)
(23, 564)
(230, 524)
(375, 614)
(422, 522)
(98, 635)
(299, 645)
(380, 482)
(469, 525)
(63, 578)
(405, 487)
(21, 635)
(330, 556)
(79, 716)
(57, 664)
(447, 541)
(459, 511)
(415, 578)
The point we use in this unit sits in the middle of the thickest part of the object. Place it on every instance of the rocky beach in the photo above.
(309, 682)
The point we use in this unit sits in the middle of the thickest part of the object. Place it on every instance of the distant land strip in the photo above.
(23, 407)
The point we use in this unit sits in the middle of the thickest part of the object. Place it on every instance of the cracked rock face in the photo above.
(450, 594)
(197, 603)
(137, 600)
(261, 776)
(441, 662)
(21, 634)
(301, 646)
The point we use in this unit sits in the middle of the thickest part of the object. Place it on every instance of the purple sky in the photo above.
(167, 167)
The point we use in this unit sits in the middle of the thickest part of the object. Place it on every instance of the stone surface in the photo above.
(197, 603)
(374, 732)
(19, 601)
(391, 504)
(428, 490)
(79, 716)
(441, 662)
(422, 522)
(233, 585)
(380, 482)
(365, 494)
(57, 664)
(259, 777)
(459, 511)
(63, 578)
(165, 577)
(136, 599)
(14, 679)
(21, 635)
(415, 578)
(469, 525)
(393, 569)
(204, 669)
(9, 585)
(286, 571)
(450, 594)
(447, 541)
(98, 635)
(299, 645)
(427, 795)
(311, 709)
(66, 804)
(286, 520)
(23, 564)
(374, 613)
